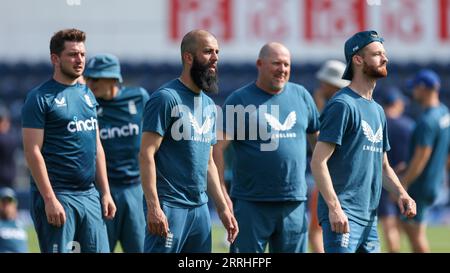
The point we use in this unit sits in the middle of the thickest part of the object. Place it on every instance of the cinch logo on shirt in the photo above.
(124, 131)
(82, 125)
(288, 123)
(374, 138)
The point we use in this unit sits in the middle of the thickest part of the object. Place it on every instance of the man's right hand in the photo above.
(56, 216)
(157, 222)
(339, 221)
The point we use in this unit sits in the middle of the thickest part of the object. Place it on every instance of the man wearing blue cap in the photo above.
(65, 155)
(349, 162)
(13, 237)
(428, 154)
(176, 163)
(120, 124)
(400, 128)
(8, 146)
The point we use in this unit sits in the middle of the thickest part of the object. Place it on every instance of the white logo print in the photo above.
(61, 102)
(82, 125)
(100, 111)
(132, 107)
(345, 240)
(88, 101)
(368, 132)
(131, 129)
(287, 125)
(206, 126)
(444, 121)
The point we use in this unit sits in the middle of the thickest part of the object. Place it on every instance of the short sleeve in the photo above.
(145, 96)
(424, 135)
(33, 112)
(157, 112)
(333, 122)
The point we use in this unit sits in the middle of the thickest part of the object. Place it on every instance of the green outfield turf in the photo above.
(439, 237)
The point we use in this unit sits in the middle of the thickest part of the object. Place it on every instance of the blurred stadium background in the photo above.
(145, 35)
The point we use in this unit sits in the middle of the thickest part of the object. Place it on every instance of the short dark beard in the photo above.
(203, 78)
(69, 74)
(375, 72)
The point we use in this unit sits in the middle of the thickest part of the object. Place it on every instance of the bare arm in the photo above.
(218, 156)
(215, 191)
(32, 145)
(319, 99)
(108, 206)
(392, 184)
(156, 219)
(321, 155)
(418, 162)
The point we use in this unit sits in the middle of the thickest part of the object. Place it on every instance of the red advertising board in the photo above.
(326, 19)
(214, 15)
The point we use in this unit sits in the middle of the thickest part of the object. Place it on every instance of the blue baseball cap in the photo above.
(426, 77)
(7, 193)
(103, 66)
(355, 43)
(390, 95)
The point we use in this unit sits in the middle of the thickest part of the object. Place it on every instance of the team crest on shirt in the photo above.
(197, 125)
(60, 102)
(205, 128)
(281, 128)
(188, 128)
(444, 122)
(88, 101)
(132, 107)
(372, 137)
(368, 132)
(289, 122)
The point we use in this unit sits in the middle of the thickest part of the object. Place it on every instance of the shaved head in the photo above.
(199, 55)
(270, 48)
(191, 40)
(274, 67)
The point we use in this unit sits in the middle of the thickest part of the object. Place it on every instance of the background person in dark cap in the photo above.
(13, 237)
(428, 154)
(8, 147)
(349, 162)
(400, 129)
(119, 117)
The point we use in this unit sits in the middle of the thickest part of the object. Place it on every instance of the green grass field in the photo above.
(438, 236)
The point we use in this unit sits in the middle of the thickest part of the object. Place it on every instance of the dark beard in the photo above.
(203, 78)
(375, 72)
(69, 74)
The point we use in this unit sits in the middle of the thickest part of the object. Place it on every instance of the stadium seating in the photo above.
(17, 79)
